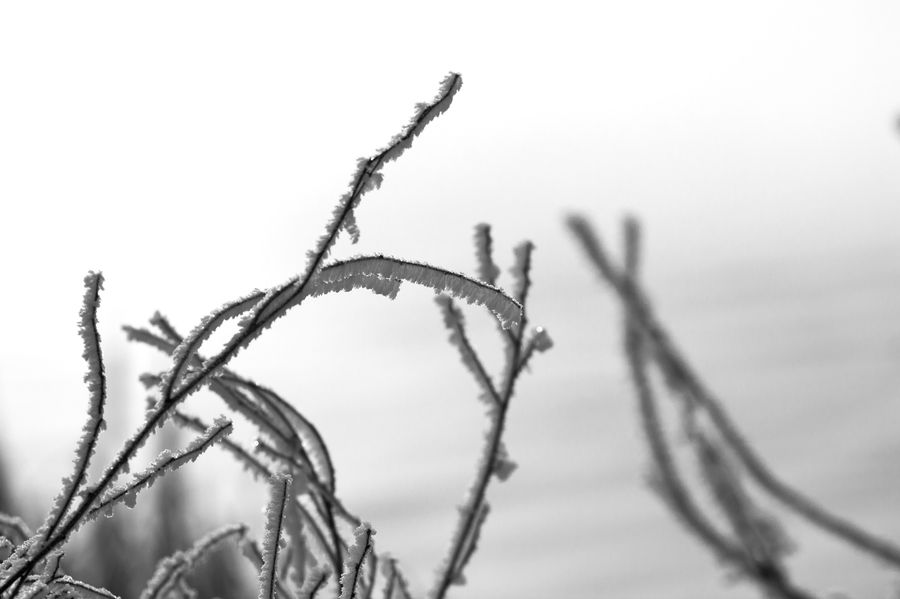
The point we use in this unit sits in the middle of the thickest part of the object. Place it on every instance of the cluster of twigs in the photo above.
(750, 542)
(313, 544)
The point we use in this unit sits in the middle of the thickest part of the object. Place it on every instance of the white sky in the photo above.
(193, 151)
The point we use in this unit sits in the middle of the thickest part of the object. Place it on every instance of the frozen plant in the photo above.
(748, 541)
(313, 546)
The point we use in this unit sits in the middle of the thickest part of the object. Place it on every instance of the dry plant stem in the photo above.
(265, 473)
(325, 507)
(395, 583)
(683, 381)
(682, 378)
(189, 372)
(479, 491)
(351, 578)
(280, 492)
(483, 477)
(222, 385)
(669, 480)
(326, 494)
(97, 380)
(156, 418)
(256, 555)
(769, 577)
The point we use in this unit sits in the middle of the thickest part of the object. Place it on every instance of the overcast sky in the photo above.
(193, 151)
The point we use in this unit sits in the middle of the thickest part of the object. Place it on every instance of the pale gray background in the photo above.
(194, 151)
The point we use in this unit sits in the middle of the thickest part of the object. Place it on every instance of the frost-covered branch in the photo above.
(494, 460)
(172, 569)
(96, 383)
(264, 311)
(455, 322)
(681, 379)
(164, 463)
(353, 564)
(279, 496)
(484, 245)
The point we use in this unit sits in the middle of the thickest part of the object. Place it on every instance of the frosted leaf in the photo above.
(505, 308)
(356, 555)
(375, 284)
